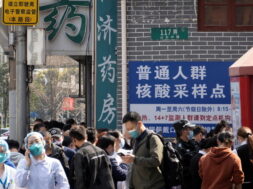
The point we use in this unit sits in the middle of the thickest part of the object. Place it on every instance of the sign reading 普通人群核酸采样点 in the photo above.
(106, 74)
(164, 92)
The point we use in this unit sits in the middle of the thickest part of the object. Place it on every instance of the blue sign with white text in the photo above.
(164, 92)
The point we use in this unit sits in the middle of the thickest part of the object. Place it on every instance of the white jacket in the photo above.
(43, 174)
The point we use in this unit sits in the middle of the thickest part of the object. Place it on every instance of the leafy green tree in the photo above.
(48, 90)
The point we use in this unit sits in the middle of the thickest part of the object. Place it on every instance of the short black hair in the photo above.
(70, 121)
(91, 134)
(178, 126)
(55, 124)
(37, 127)
(115, 133)
(199, 129)
(132, 117)
(78, 133)
(208, 143)
(83, 124)
(66, 127)
(105, 141)
(67, 141)
(13, 144)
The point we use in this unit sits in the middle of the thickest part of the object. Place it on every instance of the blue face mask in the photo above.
(3, 157)
(133, 133)
(36, 149)
(190, 135)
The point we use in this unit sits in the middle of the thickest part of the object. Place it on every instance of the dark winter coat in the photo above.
(92, 168)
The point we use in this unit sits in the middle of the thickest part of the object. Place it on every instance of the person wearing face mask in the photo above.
(119, 170)
(7, 173)
(199, 133)
(37, 170)
(57, 152)
(92, 168)
(57, 139)
(186, 148)
(145, 172)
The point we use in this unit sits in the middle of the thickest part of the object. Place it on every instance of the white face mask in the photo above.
(122, 142)
(58, 142)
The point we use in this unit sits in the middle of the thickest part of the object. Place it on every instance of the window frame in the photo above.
(231, 8)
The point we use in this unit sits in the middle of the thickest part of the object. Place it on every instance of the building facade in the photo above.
(216, 32)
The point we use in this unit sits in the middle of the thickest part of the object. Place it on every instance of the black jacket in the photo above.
(194, 170)
(247, 167)
(187, 150)
(92, 168)
(58, 153)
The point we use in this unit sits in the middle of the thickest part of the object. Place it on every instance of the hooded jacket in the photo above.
(220, 168)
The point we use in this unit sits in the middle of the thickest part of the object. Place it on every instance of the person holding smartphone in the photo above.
(37, 170)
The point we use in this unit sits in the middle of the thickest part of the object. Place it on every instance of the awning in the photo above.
(243, 66)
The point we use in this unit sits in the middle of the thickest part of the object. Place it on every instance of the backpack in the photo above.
(171, 167)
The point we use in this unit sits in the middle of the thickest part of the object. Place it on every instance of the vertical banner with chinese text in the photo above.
(106, 83)
(164, 92)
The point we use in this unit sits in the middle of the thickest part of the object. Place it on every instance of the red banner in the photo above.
(68, 104)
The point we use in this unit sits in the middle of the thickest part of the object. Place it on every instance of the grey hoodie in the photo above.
(15, 157)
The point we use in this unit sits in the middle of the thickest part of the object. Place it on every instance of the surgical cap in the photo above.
(5, 146)
(33, 134)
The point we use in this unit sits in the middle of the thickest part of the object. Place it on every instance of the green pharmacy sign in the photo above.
(169, 33)
(106, 73)
(62, 13)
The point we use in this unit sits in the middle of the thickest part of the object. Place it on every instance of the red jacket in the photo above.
(220, 168)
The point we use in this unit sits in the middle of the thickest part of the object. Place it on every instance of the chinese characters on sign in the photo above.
(20, 12)
(68, 26)
(169, 33)
(164, 92)
(235, 103)
(177, 90)
(106, 83)
(69, 14)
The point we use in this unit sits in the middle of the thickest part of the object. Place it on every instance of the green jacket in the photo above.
(146, 173)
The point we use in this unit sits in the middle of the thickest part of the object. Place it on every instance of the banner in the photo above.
(106, 73)
(68, 104)
(164, 92)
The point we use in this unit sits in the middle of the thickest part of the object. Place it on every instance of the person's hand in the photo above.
(27, 158)
(128, 158)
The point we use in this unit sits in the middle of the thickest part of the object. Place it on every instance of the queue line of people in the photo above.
(78, 157)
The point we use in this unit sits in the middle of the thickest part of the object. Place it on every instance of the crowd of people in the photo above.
(57, 155)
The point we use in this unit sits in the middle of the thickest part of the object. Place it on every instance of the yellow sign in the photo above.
(20, 12)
